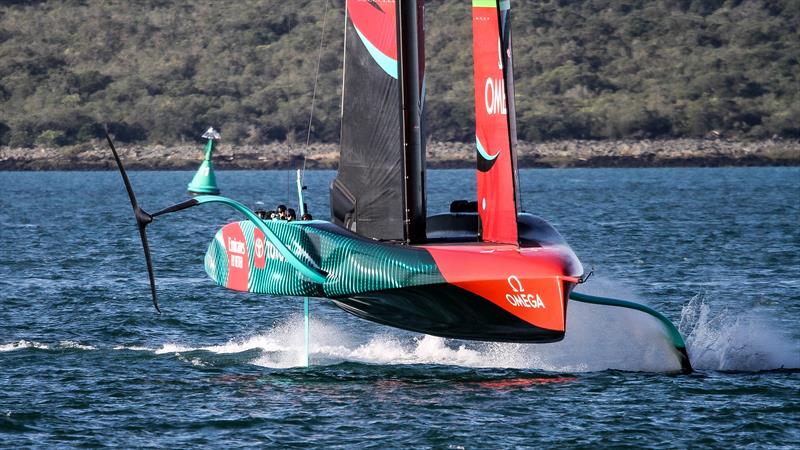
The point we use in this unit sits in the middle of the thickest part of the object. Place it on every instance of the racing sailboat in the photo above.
(482, 271)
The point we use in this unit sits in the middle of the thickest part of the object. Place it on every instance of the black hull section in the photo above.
(446, 311)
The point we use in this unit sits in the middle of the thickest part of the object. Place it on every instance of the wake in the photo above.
(598, 338)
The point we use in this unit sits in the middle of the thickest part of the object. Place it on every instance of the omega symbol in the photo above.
(515, 284)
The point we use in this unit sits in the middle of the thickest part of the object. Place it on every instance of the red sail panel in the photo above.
(497, 204)
(376, 23)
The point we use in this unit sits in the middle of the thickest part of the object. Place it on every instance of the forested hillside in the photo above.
(161, 71)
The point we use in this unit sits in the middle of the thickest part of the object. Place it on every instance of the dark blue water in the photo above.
(85, 361)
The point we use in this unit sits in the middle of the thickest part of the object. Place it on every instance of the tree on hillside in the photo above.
(161, 72)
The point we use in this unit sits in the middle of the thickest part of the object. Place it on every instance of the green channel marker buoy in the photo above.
(204, 181)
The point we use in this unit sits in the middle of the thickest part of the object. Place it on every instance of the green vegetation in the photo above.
(162, 71)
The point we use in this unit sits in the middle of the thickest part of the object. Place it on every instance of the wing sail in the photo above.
(495, 125)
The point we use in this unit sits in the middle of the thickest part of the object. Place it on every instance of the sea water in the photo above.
(86, 361)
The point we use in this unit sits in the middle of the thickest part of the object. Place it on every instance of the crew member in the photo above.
(281, 210)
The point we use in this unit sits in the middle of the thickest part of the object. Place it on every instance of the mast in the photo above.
(495, 122)
(411, 72)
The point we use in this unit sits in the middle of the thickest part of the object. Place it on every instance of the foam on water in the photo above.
(283, 347)
(25, 344)
(75, 345)
(21, 344)
(591, 345)
(598, 338)
(134, 348)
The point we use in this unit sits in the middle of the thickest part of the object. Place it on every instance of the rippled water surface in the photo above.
(85, 361)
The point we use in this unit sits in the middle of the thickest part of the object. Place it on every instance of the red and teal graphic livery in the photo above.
(483, 271)
(467, 290)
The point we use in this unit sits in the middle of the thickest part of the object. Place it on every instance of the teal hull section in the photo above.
(241, 258)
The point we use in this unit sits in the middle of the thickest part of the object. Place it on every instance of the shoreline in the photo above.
(440, 155)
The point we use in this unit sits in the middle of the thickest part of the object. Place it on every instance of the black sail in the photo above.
(379, 189)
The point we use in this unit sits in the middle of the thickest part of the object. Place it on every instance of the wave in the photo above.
(22, 344)
(62, 345)
(75, 345)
